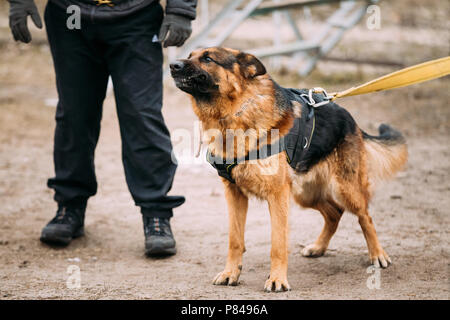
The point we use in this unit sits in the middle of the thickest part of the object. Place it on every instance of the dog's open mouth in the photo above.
(183, 82)
(192, 79)
(198, 83)
(189, 81)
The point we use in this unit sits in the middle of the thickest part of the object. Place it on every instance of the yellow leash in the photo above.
(405, 77)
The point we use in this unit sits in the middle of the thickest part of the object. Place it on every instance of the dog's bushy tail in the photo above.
(386, 153)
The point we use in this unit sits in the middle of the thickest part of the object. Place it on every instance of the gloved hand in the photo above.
(179, 29)
(18, 13)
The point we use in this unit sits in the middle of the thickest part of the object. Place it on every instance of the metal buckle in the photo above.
(310, 98)
(107, 2)
(306, 143)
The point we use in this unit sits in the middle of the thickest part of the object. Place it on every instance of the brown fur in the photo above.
(339, 182)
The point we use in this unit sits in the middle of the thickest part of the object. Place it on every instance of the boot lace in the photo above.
(65, 215)
(157, 227)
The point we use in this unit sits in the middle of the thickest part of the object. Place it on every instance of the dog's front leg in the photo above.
(279, 212)
(237, 213)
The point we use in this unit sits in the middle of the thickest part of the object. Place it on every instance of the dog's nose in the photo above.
(176, 66)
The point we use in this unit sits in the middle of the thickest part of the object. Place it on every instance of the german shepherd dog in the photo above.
(231, 90)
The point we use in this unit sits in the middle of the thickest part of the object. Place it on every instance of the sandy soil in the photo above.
(411, 213)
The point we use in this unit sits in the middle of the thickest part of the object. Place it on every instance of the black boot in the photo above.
(66, 225)
(159, 239)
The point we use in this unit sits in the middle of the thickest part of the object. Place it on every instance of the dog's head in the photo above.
(213, 72)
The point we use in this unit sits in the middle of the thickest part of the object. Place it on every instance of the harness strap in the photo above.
(225, 166)
(298, 139)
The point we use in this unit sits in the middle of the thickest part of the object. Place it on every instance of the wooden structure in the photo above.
(311, 47)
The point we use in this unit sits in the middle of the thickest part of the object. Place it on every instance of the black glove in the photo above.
(179, 29)
(18, 13)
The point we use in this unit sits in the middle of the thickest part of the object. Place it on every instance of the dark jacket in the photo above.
(121, 8)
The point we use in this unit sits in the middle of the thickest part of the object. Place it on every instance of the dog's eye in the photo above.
(207, 59)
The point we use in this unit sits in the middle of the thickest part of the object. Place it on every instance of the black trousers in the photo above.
(84, 59)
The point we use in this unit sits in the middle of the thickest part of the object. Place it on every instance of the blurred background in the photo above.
(411, 212)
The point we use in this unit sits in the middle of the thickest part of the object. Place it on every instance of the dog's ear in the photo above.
(250, 66)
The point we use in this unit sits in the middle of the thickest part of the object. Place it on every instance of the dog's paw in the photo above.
(227, 278)
(313, 251)
(380, 260)
(276, 284)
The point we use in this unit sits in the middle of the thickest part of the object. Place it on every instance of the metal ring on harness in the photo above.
(311, 100)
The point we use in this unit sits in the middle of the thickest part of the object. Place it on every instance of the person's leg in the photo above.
(135, 63)
(81, 80)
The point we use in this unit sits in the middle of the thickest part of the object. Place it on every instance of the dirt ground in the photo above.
(411, 212)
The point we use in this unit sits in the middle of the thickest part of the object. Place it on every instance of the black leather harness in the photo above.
(295, 143)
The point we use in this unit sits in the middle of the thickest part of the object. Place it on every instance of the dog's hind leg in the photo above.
(378, 257)
(331, 213)
(237, 213)
(356, 201)
(279, 212)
